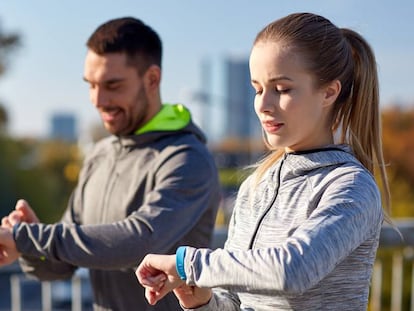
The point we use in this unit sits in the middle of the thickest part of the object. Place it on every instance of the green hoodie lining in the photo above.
(169, 118)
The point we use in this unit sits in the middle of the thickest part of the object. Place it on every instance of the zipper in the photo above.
(110, 182)
(256, 230)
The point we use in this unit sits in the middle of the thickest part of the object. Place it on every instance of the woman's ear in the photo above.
(332, 91)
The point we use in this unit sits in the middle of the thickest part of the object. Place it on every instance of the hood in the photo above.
(299, 163)
(169, 118)
(172, 118)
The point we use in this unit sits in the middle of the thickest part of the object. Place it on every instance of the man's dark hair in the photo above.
(131, 36)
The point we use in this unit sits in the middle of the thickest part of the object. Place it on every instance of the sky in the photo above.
(45, 74)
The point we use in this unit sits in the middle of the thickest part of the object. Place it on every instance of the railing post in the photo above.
(76, 293)
(397, 281)
(412, 287)
(376, 287)
(46, 296)
(15, 293)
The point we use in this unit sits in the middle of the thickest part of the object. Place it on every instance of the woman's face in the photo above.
(293, 113)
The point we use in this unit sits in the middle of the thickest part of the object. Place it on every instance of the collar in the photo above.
(171, 117)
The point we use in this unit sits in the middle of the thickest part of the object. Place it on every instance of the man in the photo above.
(149, 187)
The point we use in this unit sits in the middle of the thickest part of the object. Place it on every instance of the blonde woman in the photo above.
(305, 227)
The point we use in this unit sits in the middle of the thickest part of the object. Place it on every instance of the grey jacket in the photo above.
(304, 238)
(138, 194)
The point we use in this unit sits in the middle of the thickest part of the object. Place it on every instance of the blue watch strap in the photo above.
(179, 262)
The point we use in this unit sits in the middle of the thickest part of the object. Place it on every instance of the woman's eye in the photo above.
(283, 91)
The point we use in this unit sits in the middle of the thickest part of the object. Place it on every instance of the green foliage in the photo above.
(7, 175)
(35, 171)
(398, 144)
(4, 119)
(232, 177)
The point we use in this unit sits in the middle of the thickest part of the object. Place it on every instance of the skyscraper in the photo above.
(241, 121)
(63, 127)
(229, 99)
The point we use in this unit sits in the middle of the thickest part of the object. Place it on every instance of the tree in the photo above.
(398, 143)
(4, 119)
(42, 172)
(8, 43)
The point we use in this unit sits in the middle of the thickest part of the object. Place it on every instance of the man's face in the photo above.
(117, 92)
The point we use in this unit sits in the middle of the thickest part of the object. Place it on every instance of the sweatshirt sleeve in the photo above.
(222, 300)
(349, 213)
(42, 268)
(186, 190)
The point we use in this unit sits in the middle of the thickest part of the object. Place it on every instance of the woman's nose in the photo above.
(267, 102)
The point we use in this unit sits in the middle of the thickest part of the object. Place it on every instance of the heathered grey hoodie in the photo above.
(304, 238)
(139, 194)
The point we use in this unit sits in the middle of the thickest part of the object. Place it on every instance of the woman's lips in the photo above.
(271, 126)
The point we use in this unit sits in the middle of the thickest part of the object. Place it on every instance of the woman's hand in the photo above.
(158, 275)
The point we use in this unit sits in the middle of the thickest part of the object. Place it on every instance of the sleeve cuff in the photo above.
(179, 262)
(15, 227)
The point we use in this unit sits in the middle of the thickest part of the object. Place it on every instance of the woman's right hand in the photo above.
(157, 273)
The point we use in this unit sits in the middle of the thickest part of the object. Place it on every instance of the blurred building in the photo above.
(227, 99)
(241, 121)
(63, 126)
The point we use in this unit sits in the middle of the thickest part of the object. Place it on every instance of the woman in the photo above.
(306, 224)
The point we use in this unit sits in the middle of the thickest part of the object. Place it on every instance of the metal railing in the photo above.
(47, 297)
(392, 286)
(20, 293)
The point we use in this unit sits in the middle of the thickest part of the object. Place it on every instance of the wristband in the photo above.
(179, 262)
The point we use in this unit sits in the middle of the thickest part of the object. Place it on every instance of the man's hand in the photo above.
(22, 213)
(8, 251)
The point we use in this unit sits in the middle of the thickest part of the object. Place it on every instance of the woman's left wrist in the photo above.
(179, 262)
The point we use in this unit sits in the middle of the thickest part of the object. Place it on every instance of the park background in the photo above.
(42, 47)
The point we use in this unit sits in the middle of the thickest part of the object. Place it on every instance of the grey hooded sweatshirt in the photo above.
(137, 194)
(304, 238)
